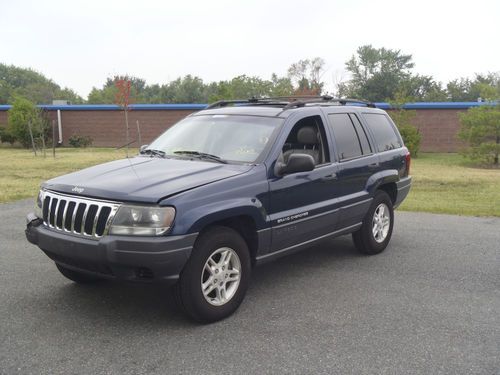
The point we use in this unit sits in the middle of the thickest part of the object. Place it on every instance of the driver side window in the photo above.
(307, 137)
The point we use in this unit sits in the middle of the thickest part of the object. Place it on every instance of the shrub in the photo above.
(80, 141)
(481, 130)
(410, 134)
(23, 112)
(6, 136)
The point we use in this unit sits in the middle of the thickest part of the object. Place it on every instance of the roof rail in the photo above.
(327, 99)
(255, 101)
(290, 101)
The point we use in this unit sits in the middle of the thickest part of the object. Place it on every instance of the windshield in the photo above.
(226, 137)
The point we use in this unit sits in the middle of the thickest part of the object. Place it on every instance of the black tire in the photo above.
(77, 277)
(189, 293)
(364, 239)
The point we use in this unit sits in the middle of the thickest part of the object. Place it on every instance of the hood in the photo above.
(142, 179)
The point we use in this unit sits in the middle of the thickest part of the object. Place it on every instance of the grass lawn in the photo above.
(442, 183)
(21, 172)
(445, 183)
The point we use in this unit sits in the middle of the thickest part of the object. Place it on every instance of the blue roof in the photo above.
(114, 107)
(197, 107)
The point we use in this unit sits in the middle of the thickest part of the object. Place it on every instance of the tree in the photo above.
(109, 90)
(29, 84)
(22, 115)
(481, 130)
(189, 89)
(420, 88)
(306, 76)
(483, 86)
(404, 120)
(376, 73)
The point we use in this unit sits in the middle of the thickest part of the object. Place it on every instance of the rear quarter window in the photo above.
(384, 132)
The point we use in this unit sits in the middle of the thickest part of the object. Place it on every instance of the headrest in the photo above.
(307, 135)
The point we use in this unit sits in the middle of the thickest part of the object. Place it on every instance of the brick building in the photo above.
(437, 122)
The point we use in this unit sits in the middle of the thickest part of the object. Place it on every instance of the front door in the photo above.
(303, 205)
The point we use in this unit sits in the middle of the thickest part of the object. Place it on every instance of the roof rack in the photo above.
(290, 101)
(327, 99)
(252, 101)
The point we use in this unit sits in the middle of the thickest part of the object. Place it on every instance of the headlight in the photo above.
(142, 221)
(38, 205)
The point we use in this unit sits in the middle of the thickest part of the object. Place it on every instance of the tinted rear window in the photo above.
(346, 139)
(363, 139)
(383, 131)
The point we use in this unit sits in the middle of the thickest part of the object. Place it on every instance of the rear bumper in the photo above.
(403, 186)
(140, 259)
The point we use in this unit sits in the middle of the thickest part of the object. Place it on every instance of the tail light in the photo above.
(408, 163)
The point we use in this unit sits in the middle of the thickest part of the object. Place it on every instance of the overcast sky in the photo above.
(79, 44)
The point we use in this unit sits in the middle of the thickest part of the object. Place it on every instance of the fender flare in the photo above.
(196, 219)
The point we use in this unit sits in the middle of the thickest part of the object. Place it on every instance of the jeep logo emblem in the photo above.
(78, 190)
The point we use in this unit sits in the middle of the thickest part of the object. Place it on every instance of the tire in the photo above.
(77, 277)
(220, 252)
(366, 241)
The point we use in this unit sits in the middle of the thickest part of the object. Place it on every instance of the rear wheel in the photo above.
(77, 277)
(376, 231)
(213, 283)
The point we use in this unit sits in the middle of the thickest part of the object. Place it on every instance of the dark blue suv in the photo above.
(229, 187)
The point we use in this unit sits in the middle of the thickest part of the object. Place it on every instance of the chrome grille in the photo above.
(80, 216)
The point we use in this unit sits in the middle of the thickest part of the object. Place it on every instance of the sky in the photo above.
(78, 44)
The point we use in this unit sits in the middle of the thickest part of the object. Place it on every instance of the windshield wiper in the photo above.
(201, 155)
(153, 152)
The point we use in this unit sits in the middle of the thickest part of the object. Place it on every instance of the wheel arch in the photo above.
(385, 181)
(244, 225)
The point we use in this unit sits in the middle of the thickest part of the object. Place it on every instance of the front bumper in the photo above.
(130, 258)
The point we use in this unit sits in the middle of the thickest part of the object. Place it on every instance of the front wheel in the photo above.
(213, 283)
(376, 231)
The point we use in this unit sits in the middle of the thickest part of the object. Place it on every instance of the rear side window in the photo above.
(347, 141)
(383, 131)
(350, 137)
(363, 139)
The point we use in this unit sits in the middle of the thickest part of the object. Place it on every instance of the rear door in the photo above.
(357, 162)
(387, 141)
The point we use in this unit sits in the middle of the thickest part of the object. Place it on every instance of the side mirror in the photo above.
(296, 163)
(142, 148)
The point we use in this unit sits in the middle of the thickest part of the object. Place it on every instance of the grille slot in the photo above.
(81, 216)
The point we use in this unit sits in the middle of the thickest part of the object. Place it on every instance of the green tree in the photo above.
(27, 83)
(376, 73)
(23, 114)
(481, 130)
(470, 90)
(107, 94)
(404, 120)
(419, 88)
(188, 89)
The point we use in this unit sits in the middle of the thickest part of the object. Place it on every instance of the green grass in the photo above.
(442, 183)
(21, 172)
(445, 183)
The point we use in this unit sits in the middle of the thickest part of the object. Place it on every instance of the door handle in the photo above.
(373, 165)
(329, 177)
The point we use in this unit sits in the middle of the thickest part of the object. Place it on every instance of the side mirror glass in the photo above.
(296, 163)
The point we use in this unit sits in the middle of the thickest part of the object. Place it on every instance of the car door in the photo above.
(357, 162)
(302, 205)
